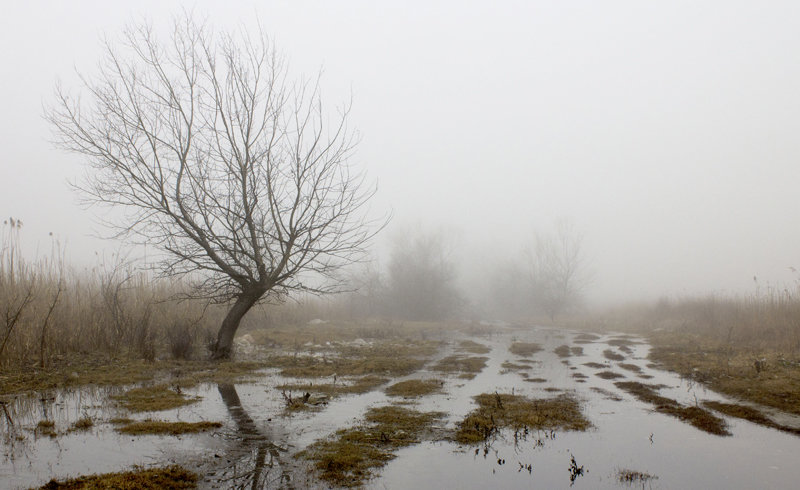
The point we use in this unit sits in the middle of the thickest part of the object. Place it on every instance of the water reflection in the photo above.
(255, 461)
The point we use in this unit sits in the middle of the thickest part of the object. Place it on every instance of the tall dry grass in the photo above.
(50, 311)
(767, 319)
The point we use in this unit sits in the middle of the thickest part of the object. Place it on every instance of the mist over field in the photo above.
(317, 244)
(666, 134)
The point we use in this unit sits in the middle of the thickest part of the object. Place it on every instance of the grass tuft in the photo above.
(497, 411)
(171, 478)
(166, 428)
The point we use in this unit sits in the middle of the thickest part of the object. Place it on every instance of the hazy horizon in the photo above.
(665, 132)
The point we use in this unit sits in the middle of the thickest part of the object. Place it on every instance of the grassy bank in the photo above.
(746, 347)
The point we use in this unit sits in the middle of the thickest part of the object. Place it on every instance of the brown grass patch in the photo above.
(609, 375)
(388, 358)
(473, 347)
(613, 356)
(510, 366)
(106, 371)
(83, 423)
(496, 411)
(171, 478)
(562, 351)
(359, 385)
(153, 398)
(607, 394)
(630, 367)
(524, 349)
(350, 457)
(586, 338)
(414, 388)
(595, 365)
(461, 364)
(535, 380)
(166, 428)
(749, 414)
(696, 416)
(774, 381)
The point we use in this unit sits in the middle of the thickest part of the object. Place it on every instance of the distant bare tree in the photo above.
(558, 269)
(421, 278)
(238, 176)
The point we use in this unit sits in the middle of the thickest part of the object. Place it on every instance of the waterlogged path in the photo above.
(257, 444)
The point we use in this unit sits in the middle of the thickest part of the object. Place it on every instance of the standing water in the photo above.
(630, 444)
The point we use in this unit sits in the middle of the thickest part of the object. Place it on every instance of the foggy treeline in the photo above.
(51, 310)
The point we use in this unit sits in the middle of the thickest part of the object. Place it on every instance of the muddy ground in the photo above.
(312, 420)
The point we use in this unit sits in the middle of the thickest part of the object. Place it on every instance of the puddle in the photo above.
(258, 440)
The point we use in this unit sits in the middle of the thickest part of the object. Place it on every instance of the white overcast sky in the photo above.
(668, 132)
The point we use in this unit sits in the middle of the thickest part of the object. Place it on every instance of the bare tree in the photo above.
(421, 278)
(558, 269)
(238, 176)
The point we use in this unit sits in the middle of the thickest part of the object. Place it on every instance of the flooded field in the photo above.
(644, 427)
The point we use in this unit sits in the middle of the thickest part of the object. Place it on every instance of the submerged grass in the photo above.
(387, 358)
(696, 416)
(524, 349)
(171, 478)
(351, 456)
(166, 428)
(153, 398)
(415, 387)
(497, 411)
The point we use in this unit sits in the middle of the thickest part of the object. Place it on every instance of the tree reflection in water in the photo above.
(255, 462)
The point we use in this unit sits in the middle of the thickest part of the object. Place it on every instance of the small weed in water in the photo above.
(633, 476)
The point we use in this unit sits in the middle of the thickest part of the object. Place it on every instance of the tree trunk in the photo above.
(245, 301)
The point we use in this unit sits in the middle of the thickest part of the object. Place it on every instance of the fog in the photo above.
(665, 133)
